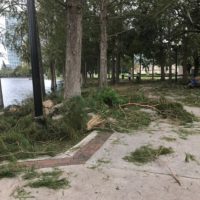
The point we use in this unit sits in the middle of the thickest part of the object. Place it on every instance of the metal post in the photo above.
(33, 39)
(1, 96)
(176, 73)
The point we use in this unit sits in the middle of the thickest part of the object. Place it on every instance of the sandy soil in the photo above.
(106, 176)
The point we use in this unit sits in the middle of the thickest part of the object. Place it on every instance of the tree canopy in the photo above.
(113, 32)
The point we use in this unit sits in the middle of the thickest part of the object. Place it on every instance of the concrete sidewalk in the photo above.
(106, 176)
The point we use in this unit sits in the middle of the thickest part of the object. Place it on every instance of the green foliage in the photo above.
(174, 111)
(11, 170)
(169, 139)
(128, 120)
(106, 102)
(109, 97)
(22, 194)
(50, 180)
(22, 71)
(139, 97)
(23, 137)
(74, 121)
(192, 100)
(147, 154)
(30, 174)
(55, 173)
(185, 132)
(6, 72)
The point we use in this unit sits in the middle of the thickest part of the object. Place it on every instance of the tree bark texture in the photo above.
(162, 72)
(118, 60)
(118, 67)
(170, 72)
(113, 69)
(153, 67)
(133, 68)
(72, 74)
(196, 63)
(103, 44)
(84, 73)
(140, 73)
(40, 64)
(185, 63)
(53, 76)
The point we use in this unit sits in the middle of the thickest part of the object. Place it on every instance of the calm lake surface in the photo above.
(17, 89)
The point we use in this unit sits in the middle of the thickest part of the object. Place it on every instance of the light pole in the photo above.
(33, 37)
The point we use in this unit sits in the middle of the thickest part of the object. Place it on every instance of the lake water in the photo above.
(17, 89)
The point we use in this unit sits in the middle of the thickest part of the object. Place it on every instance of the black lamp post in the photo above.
(33, 36)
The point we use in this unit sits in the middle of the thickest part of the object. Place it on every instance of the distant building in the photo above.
(3, 52)
(13, 59)
(8, 56)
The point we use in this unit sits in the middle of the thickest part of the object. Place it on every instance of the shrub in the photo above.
(109, 97)
(174, 111)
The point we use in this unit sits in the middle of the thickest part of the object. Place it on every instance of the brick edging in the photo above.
(80, 157)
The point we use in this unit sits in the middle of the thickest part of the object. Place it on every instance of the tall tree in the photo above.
(103, 43)
(72, 74)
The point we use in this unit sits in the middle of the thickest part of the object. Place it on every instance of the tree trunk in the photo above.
(113, 70)
(118, 60)
(72, 76)
(98, 68)
(109, 68)
(185, 71)
(196, 64)
(133, 68)
(53, 76)
(140, 73)
(103, 44)
(1, 96)
(170, 72)
(40, 64)
(153, 67)
(162, 72)
(84, 73)
(118, 67)
(185, 56)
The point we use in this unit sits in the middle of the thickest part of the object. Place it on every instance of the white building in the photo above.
(8, 56)
(3, 51)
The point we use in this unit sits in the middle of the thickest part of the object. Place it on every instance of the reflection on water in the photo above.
(17, 89)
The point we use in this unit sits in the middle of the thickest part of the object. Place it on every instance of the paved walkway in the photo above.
(98, 171)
